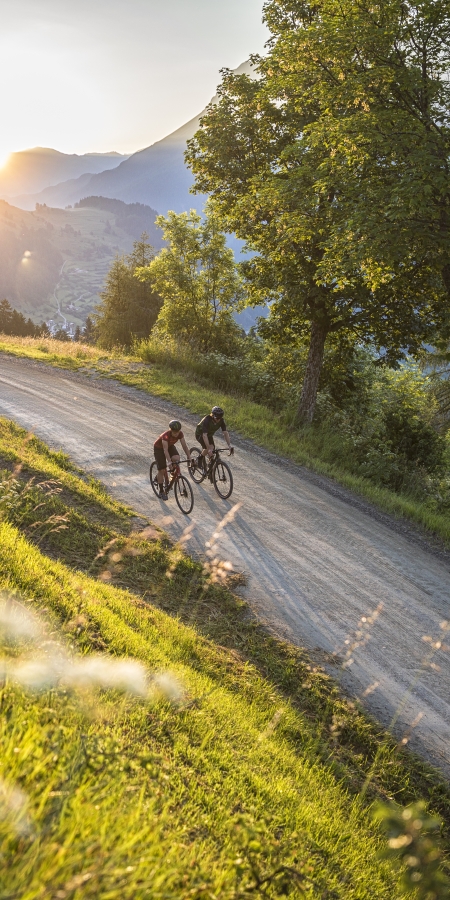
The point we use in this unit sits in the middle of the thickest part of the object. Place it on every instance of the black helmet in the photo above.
(175, 425)
(217, 411)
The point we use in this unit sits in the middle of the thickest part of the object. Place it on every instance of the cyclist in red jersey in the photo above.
(166, 453)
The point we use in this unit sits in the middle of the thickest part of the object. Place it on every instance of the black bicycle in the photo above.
(218, 471)
(181, 487)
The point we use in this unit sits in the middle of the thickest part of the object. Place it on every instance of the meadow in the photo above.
(244, 772)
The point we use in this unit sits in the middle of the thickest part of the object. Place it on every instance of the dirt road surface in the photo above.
(317, 561)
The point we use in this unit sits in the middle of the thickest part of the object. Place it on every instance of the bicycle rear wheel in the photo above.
(197, 472)
(223, 479)
(154, 478)
(184, 495)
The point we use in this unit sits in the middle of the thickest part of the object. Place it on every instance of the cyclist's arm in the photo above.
(226, 437)
(206, 440)
(185, 448)
(165, 447)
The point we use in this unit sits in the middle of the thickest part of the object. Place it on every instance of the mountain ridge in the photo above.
(156, 175)
(30, 171)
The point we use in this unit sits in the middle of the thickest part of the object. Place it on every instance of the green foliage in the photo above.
(378, 77)
(196, 277)
(286, 158)
(89, 333)
(388, 429)
(414, 840)
(13, 322)
(437, 363)
(414, 440)
(240, 375)
(61, 335)
(129, 307)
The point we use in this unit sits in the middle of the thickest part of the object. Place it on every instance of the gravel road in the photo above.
(317, 560)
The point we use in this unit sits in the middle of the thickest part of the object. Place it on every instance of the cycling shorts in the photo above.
(201, 441)
(160, 456)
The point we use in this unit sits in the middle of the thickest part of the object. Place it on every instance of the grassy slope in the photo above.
(177, 801)
(248, 419)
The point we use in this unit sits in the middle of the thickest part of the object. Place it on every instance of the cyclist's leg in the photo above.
(174, 455)
(162, 467)
(201, 441)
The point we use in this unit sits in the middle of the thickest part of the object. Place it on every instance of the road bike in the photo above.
(181, 487)
(218, 471)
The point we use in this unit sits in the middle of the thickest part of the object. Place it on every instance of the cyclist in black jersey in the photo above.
(207, 428)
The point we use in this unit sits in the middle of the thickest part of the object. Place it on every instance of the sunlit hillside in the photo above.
(53, 262)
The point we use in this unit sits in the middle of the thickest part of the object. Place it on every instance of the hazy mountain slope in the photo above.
(29, 171)
(53, 196)
(29, 261)
(53, 262)
(156, 176)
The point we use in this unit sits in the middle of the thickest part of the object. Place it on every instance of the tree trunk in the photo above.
(307, 404)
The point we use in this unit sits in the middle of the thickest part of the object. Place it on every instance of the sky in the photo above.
(98, 75)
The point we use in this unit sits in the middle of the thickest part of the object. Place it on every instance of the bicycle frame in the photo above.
(175, 473)
(214, 458)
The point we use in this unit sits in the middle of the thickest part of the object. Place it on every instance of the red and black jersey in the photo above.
(168, 436)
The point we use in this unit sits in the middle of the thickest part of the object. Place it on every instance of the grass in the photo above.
(259, 770)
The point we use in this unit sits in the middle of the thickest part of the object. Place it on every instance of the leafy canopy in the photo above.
(196, 276)
(378, 74)
(313, 170)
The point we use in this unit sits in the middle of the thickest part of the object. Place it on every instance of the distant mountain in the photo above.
(156, 176)
(30, 171)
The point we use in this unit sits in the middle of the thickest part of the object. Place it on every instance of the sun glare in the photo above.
(4, 157)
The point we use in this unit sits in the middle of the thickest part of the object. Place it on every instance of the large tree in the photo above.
(129, 307)
(284, 179)
(379, 74)
(196, 276)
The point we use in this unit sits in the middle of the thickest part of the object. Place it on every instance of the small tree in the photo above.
(197, 278)
(89, 333)
(129, 306)
(61, 335)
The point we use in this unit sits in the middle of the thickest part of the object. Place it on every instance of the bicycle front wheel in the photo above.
(197, 472)
(184, 495)
(223, 479)
(154, 478)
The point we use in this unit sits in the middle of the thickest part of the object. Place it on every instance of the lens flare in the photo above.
(4, 158)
